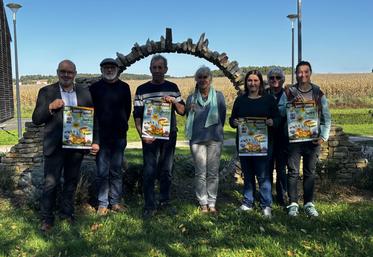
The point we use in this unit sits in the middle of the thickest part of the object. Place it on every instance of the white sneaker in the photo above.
(293, 209)
(267, 212)
(310, 210)
(246, 208)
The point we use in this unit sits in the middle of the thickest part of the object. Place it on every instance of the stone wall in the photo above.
(340, 158)
(21, 169)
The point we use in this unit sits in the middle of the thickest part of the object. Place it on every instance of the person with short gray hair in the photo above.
(158, 154)
(276, 79)
(206, 112)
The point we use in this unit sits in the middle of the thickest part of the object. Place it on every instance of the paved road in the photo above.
(12, 123)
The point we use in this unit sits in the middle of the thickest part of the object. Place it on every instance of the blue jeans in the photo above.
(256, 166)
(310, 153)
(158, 160)
(109, 180)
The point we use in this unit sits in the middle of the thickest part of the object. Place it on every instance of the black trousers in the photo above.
(310, 153)
(66, 163)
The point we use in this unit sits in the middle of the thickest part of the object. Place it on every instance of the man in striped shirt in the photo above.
(158, 154)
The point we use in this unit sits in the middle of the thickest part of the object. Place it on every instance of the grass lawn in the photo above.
(343, 229)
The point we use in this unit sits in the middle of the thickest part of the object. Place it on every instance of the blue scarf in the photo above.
(212, 116)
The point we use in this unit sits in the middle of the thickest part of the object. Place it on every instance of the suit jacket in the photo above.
(54, 122)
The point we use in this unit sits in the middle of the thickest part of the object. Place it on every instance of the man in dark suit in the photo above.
(49, 111)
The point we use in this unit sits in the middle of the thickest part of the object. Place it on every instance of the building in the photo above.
(6, 87)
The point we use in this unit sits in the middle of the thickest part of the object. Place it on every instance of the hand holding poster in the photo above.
(252, 137)
(156, 120)
(77, 127)
(302, 121)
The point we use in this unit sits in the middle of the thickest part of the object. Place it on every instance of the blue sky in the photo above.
(337, 34)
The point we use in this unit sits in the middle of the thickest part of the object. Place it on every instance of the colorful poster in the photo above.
(77, 127)
(302, 119)
(157, 120)
(252, 137)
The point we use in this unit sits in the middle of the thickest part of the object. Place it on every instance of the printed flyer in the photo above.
(77, 127)
(157, 120)
(302, 119)
(252, 137)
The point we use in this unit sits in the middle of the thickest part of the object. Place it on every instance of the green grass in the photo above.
(342, 230)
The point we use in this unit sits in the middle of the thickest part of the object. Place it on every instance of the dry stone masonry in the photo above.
(21, 169)
(200, 49)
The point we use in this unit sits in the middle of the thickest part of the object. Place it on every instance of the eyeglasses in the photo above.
(203, 77)
(68, 72)
(275, 77)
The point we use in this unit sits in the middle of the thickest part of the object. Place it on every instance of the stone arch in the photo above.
(199, 49)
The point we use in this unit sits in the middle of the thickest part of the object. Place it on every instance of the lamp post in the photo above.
(14, 7)
(299, 16)
(292, 17)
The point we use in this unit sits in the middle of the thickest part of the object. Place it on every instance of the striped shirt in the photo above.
(150, 91)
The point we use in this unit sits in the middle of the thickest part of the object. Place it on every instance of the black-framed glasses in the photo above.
(275, 77)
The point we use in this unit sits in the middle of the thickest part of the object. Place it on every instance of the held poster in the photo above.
(77, 127)
(252, 137)
(302, 121)
(156, 120)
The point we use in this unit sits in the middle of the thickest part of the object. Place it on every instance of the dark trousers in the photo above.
(278, 161)
(69, 161)
(310, 153)
(158, 163)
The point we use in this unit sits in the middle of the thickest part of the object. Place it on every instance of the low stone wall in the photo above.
(341, 159)
(22, 173)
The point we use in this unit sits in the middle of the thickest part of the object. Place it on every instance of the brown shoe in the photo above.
(118, 208)
(203, 209)
(213, 210)
(102, 211)
(46, 227)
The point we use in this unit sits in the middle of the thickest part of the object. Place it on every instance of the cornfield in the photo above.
(342, 90)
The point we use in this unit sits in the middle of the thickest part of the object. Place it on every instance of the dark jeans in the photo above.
(158, 162)
(109, 180)
(69, 161)
(310, 153)
(256, 166)
(278, 160)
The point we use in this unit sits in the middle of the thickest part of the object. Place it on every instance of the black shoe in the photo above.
(69, 218)
(167, 207)
(163, 205)
(148, 213)
(46, 227)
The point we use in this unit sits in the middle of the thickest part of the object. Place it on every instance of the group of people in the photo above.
(205, 109)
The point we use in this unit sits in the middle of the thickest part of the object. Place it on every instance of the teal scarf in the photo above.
(212, 116)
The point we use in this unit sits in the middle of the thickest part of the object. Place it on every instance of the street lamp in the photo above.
(299, 16)
(14, 7)
(292, 17)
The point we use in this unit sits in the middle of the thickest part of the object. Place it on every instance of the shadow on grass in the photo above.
(341, 230)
